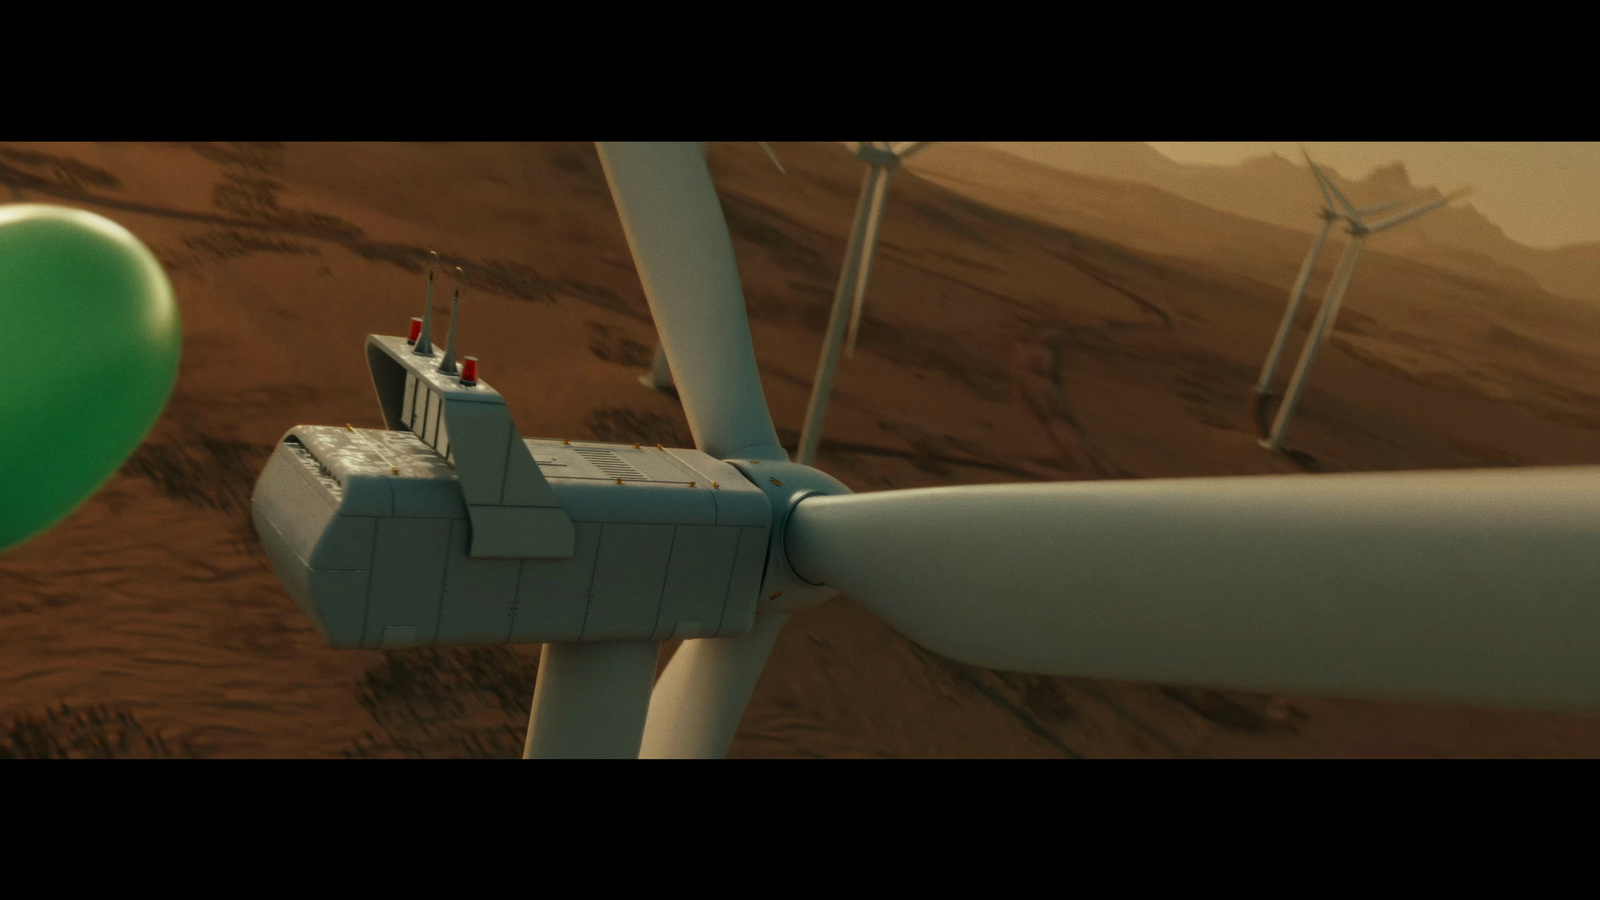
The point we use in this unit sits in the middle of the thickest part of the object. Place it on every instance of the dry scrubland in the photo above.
(1023, 325)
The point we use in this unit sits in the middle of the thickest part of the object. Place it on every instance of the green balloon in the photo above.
(91, 338)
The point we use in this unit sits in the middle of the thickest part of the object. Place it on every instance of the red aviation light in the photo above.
(416, 330)
(469, 370)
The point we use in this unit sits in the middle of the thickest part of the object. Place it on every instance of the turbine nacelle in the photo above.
(450, 528)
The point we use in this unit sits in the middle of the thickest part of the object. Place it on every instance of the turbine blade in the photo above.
(1325, 184)
(874, 219)
(1316, 174)
(684, 254)
(700, 698)
(1369, 210)
(773, 156)
(907, 149)
(1475, 587)
(1417, 211)
(590, 700)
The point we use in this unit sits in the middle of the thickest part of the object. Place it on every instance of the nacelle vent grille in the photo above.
(611, 464)
(315, 466)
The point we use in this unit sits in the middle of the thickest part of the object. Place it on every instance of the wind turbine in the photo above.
(1269, 370)
(660, 374)
(1473, 587)
(881, 159)
(1359, 230)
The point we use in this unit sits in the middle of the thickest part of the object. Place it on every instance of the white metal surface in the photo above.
(1477, 587)
(684, 255)
(701, 697)
(590, 700)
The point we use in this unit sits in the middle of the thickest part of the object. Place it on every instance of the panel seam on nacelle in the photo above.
(444, 582)
(516, 596)
(666, 575)
(372, 585)
(594, 567)
(727, 584)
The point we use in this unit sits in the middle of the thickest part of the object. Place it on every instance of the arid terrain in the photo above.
(1023, 324)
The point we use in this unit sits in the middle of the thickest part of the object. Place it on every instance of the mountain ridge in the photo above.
(1279, 191)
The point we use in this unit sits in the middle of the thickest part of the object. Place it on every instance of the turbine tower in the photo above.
(1269, 370)
(881, 160)
(1359, 232)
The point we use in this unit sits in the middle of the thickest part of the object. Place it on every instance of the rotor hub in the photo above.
(876, 156)
(786, 484)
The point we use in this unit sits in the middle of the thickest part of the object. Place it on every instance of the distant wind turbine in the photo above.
(1359, 231)
(881, 160)
(1269, 371)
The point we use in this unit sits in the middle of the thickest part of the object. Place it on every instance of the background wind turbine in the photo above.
(1471, 587)
(1269, 370)
(845, 319)
(1359, 231)
(1386, 585)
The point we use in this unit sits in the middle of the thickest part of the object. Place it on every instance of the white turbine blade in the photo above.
(1316, 174)
(684, 254)
(874, 219)
(1367, 211)
(1475, 587)
(1338, 195)
(700, 698)
(1417, 211)
(907, 149)
(590, 700)
(773, 156)
(1326, 185)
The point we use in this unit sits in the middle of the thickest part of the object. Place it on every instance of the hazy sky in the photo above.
(1542, 194)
